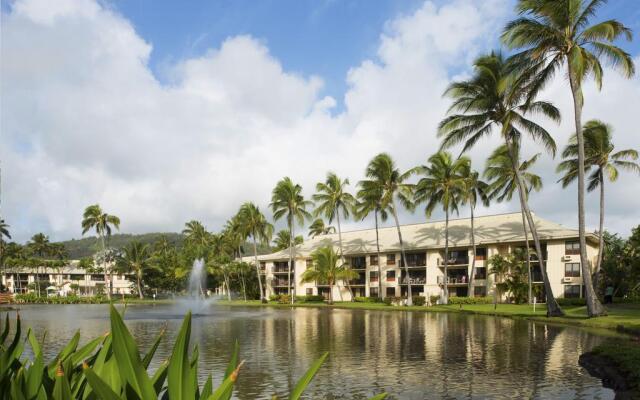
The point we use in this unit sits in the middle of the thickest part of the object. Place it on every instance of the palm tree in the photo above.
(555, 34)
(493, 99)
(598, 153)
(282, 241)
(236, 236)
(4, 233)
(385, 179)
(331, 200)
(95, 218)
(197, 238)
(327, 269)
(318, 228)
(287, 201)
(135, 258)
(40, 247)
(442, 183)
(474, 190)
(503, 184)
(255, 224)
(370, 200)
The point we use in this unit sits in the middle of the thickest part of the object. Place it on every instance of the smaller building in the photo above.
(64, 281)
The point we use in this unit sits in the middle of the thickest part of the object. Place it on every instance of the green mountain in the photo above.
(86, 247)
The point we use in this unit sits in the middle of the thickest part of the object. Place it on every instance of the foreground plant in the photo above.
(112, 367)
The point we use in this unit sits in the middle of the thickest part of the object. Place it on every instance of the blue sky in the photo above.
(312, 37)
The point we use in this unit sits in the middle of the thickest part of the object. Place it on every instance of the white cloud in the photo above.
(84, 120)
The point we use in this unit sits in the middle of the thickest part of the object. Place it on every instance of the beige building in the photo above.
(62, 281)
(424, 248)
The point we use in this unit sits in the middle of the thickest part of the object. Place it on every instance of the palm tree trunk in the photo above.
(255, 257)
(140, 285)
(526, 240)
(330, 292)
(342, 253)
(600, 233)
(404, 257)
(378, 255)
(594, 307)
(291, 261)
(553, 308)
(473, 261)
(445, 299)
(226, 281)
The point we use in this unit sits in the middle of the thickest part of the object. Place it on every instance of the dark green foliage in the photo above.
(571, 302)
(367, 299)
(419, 300)
(470, 300)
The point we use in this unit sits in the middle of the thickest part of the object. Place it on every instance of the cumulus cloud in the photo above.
(84, 120)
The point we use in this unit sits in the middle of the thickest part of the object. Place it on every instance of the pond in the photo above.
(410, 355)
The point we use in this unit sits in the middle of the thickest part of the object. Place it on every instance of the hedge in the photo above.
(470, 300)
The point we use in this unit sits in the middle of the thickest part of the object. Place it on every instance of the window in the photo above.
(480, 291)
(481, 273)
(416, 259)
(358, 262)
(263, 265)
(309, 291)
(572, 291)
(571, 248)
(391, 292)
(97, 278)
(373, 292)
(572, 270)
(373, 260)
(391, 259)
(309, 263)
(481, 254)
(373, 276)
(391, 276)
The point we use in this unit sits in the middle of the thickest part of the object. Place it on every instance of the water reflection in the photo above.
(409, 355)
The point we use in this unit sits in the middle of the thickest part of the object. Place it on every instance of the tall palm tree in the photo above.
(370, 200)
(236, 236)
(492, 100)
(503, 184)
(331, 200)
(4, 233)
(282, 241)
(94, 218)
(328, 269)
(554, 34)
(474, 190)
(385, 179)
(442, 184)
(288, 202)
(599, 154)
(135, 258)
(197, 238)
(255, 224)
(39, 246)
(318, 228)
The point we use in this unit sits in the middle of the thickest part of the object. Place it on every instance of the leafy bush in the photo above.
(310, 299)
(359, 299)
(470, 300)
(433, 299)
(274, 297)
(388, 300)
(418, 300)
(571, 302)
(33, 298)
(284, 299)
(112, 367)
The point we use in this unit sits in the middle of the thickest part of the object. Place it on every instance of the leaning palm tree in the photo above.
(282, 240)
(385, 179)
(318, 228)
(493, 101)
(598, 153)
(95, 218)
(503, 184)
(442, 184)
(327, 269)
(39, 246)
(370, 200)
(288, 202)
(474, 190)
(331, 200)
(135, 258)
(254, 223)
(555, 34)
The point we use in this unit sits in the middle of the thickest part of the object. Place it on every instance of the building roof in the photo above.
(489, 229)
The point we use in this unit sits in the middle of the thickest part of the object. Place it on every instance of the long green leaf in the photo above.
(100, 387)
(207, 389)
(179, 384)
(128, 359)
(379, 396)
(307, 377)
(61, 389)
(233, 364)
(159, 377)
(149, 356)
(35, 373)
(5, 331)
(85, 351)
(226, 388)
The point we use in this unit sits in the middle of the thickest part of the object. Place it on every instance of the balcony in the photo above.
(357, 282)
(281, 269)
(421, 280)
(454, 262)
(280, 283)
(454, 280)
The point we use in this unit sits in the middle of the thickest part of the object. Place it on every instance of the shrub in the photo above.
(571, 302)
(470, 300)
(433, 299)
(310, 299)
(388, 300)
(284, 299)
(358, 299)
(274, 297)
(418, 300)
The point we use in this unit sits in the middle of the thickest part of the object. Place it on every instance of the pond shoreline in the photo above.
(613, 371)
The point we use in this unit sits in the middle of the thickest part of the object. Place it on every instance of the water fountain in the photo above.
(196, 298)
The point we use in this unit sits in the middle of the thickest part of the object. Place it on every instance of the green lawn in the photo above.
(626, 316)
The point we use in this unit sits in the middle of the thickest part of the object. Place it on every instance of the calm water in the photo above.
(409, 355)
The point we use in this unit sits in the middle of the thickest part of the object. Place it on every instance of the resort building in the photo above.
(424, 248)
(66, 280)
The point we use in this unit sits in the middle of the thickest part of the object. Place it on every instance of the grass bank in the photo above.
(622, 317)
(617, 363)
